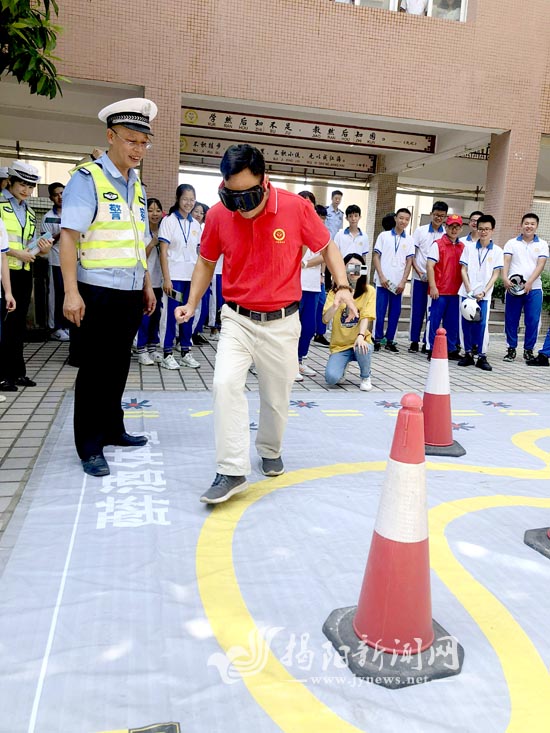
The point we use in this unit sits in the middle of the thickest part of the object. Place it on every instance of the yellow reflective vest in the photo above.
(116, 237)
(18, 236)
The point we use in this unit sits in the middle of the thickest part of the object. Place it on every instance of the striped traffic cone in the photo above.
(393, 620)
(438, 424)
(539, 540)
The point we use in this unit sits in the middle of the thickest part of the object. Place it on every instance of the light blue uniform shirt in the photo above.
(20, 209)
(78, 212)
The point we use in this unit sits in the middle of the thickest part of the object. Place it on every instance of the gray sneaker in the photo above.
(223, 487)
(272, 466)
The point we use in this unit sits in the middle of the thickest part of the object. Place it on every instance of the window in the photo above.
(445, 9)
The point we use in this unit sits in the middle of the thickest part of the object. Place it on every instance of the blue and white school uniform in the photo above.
(481, 263)
(183, 236)
(394, 250)
(423, 239)
(349, 244)
(525, 257)
(311, 291)
(216, 298)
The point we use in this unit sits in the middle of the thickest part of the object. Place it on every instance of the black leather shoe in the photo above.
(8, 386)
(96, 466)
(199, 340)
(413, 348)
(130, 440)
(25, 382)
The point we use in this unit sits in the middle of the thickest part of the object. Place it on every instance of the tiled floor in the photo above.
(27, 415)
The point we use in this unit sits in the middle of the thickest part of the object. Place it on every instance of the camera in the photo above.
(357, 269)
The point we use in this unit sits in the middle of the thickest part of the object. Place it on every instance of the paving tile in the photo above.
(28, 442)
(21, 451)
(9, 488)
(4, 502)
(12, 474)
(33, 433)
(15, 463)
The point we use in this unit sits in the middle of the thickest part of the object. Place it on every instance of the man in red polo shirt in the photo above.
(444, 279)
(261, 232)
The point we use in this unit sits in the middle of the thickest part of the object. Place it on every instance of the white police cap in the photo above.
(4, 172)
(25, 171)
(135, 114)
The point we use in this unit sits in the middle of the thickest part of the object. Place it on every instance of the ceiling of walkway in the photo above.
(67, 128)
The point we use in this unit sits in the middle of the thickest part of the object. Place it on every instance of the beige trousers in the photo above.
(273, 347)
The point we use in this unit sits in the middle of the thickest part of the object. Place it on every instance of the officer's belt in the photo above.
(265, 315)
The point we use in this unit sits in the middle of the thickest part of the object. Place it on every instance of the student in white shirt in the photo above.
(148, 342)
(392, 259)
(481, 265)
(179, 238)
(525, 256)
(472, 236)
(423, 239)
(351, 240)
(8, 301)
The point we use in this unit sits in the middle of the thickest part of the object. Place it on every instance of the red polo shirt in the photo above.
(447, 270)
(262, 256)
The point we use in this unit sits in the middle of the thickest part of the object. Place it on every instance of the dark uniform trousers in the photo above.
(111, 320)
(12, 362)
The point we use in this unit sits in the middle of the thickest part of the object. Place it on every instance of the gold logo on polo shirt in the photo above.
(279, 235)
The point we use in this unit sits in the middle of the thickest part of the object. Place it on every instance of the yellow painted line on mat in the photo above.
(287, 701)
(141, 413)
(204, 413)
(525, 672)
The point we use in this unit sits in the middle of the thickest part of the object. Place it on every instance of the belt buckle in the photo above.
(258, 316)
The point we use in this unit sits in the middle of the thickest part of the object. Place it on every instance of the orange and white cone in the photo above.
(395, 606)
(438, 423)
(393, 619)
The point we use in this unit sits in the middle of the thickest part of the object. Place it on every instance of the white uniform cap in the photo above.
(25, 171)
(136, 114)
(4, 172)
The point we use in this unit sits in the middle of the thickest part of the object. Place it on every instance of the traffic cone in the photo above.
(393, 620)
(438, 424)
(539, 540)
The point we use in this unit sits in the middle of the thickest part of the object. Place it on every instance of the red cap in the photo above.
(453, 219)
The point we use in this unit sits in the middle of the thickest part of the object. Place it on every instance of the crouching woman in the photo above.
(352, 340)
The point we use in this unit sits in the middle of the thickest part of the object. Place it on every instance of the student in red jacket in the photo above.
(445, 278)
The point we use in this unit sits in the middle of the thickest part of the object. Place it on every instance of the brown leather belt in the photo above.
(265, 315)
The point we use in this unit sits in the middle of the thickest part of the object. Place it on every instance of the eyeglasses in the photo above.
(439, 216)
(133, 143)
(484, 229)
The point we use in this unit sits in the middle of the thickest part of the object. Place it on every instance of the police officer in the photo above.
(104, 232)
(20, 222)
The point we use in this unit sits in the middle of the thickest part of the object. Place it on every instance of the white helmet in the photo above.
(518, 284)
(470, 310)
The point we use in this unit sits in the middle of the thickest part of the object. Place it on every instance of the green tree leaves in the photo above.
(27, 40)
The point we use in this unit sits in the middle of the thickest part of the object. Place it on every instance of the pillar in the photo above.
(161, 164)
(382, 193)
(511, 176)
